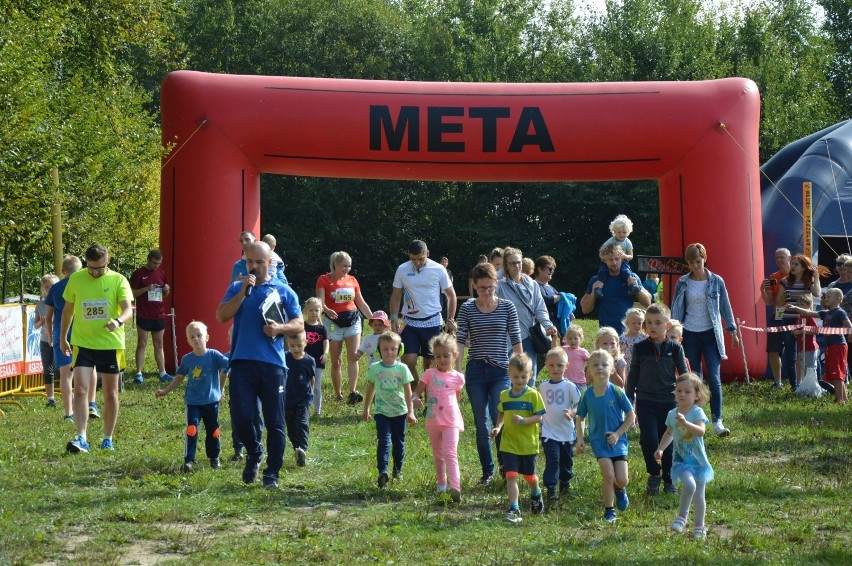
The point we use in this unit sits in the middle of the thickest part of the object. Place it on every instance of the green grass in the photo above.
(780, 495)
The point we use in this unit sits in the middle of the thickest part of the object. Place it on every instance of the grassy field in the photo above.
(780, 496)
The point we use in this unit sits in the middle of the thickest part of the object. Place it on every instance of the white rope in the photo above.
(724, 128)
(181, 146)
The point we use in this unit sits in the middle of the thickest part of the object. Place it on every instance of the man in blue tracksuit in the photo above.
(258, 368)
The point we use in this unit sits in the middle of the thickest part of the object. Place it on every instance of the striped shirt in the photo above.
(491, 334)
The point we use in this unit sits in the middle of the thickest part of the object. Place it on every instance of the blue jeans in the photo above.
(195, 414)
(390, 432)
(559, 462)
(703, 344)
(250, 381)
(483, 383)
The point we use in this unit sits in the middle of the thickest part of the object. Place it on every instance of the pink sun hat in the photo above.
(382, 316)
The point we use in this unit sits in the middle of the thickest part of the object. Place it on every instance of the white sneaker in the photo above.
(721, 429)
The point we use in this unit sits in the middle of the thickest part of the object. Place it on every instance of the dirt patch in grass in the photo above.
(147, 553)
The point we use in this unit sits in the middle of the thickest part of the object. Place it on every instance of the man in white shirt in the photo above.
(418, 284)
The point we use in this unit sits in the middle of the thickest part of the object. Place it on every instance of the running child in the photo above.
(205, 370)
(687, 424)
(558, 433)
(577, 356)
(317, 348)
(835, 344)
(620, 228)
(610, 416)
(443, 386)
(520, 410)
(369, 344)
(656, 364)
(634, 320)
(299, 393)
(389, 381)
(607, 339)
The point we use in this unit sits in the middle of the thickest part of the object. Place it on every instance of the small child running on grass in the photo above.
(443, 386)
(389, 381)
(610, 416)
(299, 393)
(206, 370)
(558, 432)
(520, 410)
(687, 424)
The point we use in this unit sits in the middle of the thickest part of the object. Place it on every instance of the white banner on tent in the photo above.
(11, 341)
(32, 362)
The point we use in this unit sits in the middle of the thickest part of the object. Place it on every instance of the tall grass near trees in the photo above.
(780, 495)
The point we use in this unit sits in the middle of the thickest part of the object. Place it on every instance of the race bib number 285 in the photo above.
(96, 309)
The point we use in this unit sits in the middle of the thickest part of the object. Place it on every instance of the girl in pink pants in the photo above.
(443, 386)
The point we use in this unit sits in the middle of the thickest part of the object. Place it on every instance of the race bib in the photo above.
(96, 309)
(344, 295)
(155, 295)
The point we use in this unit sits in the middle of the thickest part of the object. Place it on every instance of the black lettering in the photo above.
(381, 122)
(531, 116)
(437, 129)
(489, 118)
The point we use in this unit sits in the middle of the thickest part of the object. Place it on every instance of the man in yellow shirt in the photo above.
(98, 302)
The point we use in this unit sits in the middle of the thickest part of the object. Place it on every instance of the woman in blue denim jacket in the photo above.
(701, 303)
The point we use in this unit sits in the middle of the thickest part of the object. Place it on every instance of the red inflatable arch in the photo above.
(697, 139)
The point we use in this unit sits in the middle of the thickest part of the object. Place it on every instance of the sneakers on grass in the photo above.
(94, 413)
(106, 444)
(514, 515)
(166, 378)
(455, 495)
(214, 464)
(79, 444)
(270, 482)
(187, 466)
(536, 505)
(699, 533)
(251, 469)
(653, 487)
(301, 457)
(678, 524)
(609, 515)
(720, 429)
(139, 378)
(383, 480)
(621, 499)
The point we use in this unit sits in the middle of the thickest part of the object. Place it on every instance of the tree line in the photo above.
(79, 87)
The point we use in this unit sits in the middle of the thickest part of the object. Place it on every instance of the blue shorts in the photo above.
(59, 358)
(522, 465)
(416, 340)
